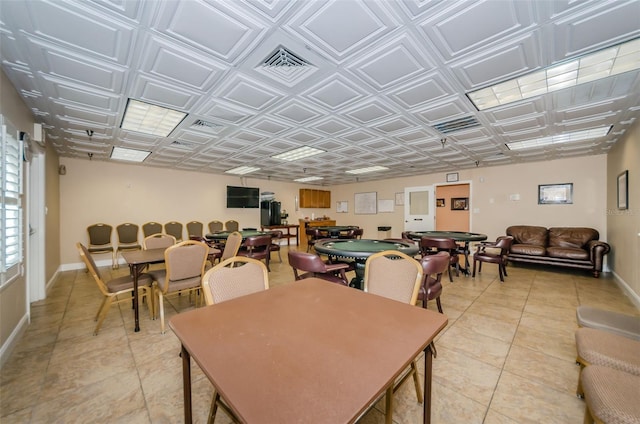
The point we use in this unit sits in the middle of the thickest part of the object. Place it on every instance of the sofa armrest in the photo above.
(597, 250)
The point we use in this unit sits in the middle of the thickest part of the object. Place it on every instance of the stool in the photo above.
(611, 396)
(613, 322)
(597, 347)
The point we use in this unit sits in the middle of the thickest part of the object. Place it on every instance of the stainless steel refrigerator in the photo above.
(270, 212)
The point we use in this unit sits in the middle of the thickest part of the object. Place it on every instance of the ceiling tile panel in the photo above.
(370, 80)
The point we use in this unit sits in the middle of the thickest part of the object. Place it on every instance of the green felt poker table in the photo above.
(359, 251)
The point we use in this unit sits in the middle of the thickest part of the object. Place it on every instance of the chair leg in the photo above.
(102, 314)
(214, 407)
(161, 305)
(500, 273)
(450, 274)
(100, 308)
(416, 381)
(388, 419)
(473, 273)
(439, 305)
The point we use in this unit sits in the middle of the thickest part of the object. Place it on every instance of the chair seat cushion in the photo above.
(611, 321)
(611, 395)
(126, 282)
(596, 347)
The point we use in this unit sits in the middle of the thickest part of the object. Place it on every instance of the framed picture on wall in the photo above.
(439, 203)
(623, 190)
(555, 194)
(459, 203)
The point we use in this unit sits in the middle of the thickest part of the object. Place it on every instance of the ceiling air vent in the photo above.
(210, 127)
(284, 57)
(456, 125)
(182, 144)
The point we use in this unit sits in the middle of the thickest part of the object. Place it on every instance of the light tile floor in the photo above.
(506, 356)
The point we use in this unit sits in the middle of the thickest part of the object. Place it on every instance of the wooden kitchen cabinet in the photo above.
(312, 198)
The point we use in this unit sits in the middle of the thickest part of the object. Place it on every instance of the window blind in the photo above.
(11, 210)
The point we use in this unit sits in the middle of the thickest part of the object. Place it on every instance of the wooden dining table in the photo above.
(307, 351)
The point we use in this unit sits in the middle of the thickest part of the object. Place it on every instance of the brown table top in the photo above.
(149, 256)
(305, 352)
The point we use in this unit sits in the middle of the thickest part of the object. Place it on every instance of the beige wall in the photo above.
(623, 226)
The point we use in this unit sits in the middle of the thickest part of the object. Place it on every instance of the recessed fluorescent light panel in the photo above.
(307, 179)
(149, 119)
(299, 153)
(601, 64)
(366, 170)
(241, 170)
(590, 134)
(131, 155)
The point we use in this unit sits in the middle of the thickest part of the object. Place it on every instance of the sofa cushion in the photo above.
(528, 234)
(528, 249)
(572, 237)
(568, 253)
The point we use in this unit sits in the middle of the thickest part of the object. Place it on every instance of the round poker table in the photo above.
(459, 236)
(359, 251)
(223, 235)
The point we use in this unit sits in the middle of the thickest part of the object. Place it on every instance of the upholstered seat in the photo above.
(312, 265)
(100, 241)
(433, 245)
(597, 347)
(611, 321)
(611, 396)
(257, 247)
(495, 253)
(432, 268)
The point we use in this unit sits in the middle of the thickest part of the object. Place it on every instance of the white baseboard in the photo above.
(10, 344)
(635, 298)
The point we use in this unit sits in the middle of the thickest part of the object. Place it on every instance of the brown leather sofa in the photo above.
(572, 247)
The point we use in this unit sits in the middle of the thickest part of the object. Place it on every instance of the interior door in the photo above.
(419, 208)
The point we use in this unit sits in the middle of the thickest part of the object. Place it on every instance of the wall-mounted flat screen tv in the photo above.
(243, 197)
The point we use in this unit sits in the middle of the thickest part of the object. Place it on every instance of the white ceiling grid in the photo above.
(380, 75)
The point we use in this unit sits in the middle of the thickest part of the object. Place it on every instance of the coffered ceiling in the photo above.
(376, 78)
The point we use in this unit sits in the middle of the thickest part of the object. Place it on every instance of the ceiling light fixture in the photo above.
(130, 155)
(366, 170)
(589, 134)
(241, 170)
(299, 153)
(601, 64)
(307, 179)
(150, 119)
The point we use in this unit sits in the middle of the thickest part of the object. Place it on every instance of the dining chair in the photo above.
(358, 233)
(313, 235)
(495, 253)
(100, 241)
(184, 268)
(174, 228)
(276, 236)
(128, 237)
(257, 247)
(433, 266)
(158, 241)
(312, 265)
(115, 287)
(151, 228)
(433, 245)
(231, 225)
(194, 228)
(215, 226)
(234, 277)
(396, 276)
(232, 246)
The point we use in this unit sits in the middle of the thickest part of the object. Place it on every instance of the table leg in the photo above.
(186, 384)
(426, 405)
(135, 273)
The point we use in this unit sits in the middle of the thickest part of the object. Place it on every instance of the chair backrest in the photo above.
(432, 268)
(92, 268)
(215, 226)
(307, 262)
(504, 243)
(394, 275)
(194, 228)
(151, 228)
(127, 234)
(99, 234)
(231, 225)
(174, 228)
(231, 247)
(257, 242)
(358, 233)
(234, 277)
(158, 241)
(185, 261)
(431, 245)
